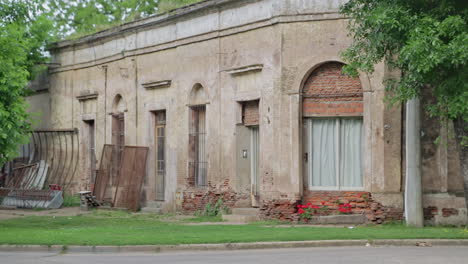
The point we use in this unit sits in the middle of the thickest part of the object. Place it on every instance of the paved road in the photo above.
(423, 255)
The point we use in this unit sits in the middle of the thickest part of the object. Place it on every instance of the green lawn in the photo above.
(126, 229)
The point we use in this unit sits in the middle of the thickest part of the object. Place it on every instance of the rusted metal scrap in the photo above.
(103, 176)
(51, 157)
(131, 176)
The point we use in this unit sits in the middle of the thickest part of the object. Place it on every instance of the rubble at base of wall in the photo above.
(281, 209)
(361, 203)
(195, 199)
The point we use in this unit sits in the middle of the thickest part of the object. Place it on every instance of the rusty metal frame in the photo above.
(128, 189)
(58, 152)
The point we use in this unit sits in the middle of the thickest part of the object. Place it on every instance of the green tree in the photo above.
(427, 40)
(23, 36)
(81, 17)
(168, 5)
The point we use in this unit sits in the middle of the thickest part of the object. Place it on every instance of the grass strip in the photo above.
(127, 229)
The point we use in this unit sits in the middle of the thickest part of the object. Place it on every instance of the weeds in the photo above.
(211, 210)
(70, 200)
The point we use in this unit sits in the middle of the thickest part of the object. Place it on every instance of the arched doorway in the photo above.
(332, 110)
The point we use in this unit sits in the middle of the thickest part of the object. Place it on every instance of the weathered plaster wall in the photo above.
(39, 106)
(237, 51)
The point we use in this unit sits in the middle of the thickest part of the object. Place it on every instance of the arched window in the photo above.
(332, 109)
(198, 163)
(118, 133)
(118, 105)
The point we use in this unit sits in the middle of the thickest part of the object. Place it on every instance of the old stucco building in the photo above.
(245, 100)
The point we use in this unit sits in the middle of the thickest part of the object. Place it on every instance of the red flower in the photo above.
(299, 206)
(323, 202)
(308, 204)
(315, 207)
(301, 211)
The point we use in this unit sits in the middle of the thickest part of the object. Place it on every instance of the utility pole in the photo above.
(413, 185)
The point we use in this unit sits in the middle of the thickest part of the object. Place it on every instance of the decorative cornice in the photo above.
(87, 97)
(193, 39)
(246, 69)
(157, 84)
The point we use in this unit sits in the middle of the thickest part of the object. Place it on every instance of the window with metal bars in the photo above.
(160, 142)
(118, 140)
(197, 146)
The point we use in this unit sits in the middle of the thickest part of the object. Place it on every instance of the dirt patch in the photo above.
(15, 213)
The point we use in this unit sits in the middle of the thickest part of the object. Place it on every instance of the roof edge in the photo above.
(148, 21)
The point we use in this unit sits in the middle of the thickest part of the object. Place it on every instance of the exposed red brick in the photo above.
(361, 203)
(195, 199)
(250, 113)
(430, 212)
(328, 92)
(281, 209)
(446, 212)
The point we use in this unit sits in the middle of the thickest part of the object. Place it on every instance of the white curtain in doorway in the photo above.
(350, 153)
(335, 149)
(324, 149)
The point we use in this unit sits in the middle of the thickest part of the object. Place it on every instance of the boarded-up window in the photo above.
(250, 113)
(197, 146)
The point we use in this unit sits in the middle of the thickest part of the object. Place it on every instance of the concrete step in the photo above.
(240, 218)
(151, 210)
(246, 211)
(354, 219)
(154, 207)
(154, 204)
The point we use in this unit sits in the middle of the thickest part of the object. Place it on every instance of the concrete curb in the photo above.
(233, 246)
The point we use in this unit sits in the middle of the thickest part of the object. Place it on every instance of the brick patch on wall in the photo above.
(446, 212)
(431, 211)
(250, 113)
(195, 199)
(281, 209)
(328, 92)
(361, 203)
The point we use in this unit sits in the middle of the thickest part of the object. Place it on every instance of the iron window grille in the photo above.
(197, 146)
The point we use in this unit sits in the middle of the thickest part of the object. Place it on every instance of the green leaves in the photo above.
(83, 17)
(22, 38)
(427, 40)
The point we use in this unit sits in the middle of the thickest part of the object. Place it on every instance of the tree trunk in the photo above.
(461, 132)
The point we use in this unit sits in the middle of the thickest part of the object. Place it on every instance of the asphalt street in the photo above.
(423, 255)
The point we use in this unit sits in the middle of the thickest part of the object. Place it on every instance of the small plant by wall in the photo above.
(215, 209)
